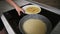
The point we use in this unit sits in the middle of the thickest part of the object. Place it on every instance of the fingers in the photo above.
(19, 10)
(22, 11)
(19, 13)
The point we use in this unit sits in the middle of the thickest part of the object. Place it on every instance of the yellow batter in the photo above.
(34, 26)
(33, 10)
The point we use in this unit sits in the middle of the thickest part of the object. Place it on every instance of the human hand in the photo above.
(17, 7)
(19, 10)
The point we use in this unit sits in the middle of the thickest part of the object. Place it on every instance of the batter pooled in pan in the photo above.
(34, 26)
(32, 9)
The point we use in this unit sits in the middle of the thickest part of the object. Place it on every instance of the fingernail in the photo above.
(19, 14)
(23, 11)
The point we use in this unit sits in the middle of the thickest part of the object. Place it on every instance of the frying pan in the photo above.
(35, 16)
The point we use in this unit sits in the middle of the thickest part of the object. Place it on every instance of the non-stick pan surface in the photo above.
(35, 16)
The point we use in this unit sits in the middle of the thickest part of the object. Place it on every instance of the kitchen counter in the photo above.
(6, 7)
(54, 3)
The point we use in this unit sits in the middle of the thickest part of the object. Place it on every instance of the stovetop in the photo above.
(13, 18)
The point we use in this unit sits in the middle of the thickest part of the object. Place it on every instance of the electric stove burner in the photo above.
(13, 18)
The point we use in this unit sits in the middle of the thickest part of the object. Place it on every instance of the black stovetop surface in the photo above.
(13, 18)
